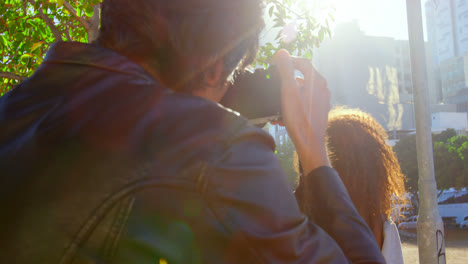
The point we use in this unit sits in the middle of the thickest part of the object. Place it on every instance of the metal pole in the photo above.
(431, 242)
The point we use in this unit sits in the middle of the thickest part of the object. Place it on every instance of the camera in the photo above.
(256, 95)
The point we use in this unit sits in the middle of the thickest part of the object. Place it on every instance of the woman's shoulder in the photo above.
(390, 232)
(391, 248)
(389, 224)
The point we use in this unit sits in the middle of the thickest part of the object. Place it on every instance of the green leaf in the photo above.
(27, 55)
(60, 3)
(282, 11)
(279, 24)
(3, 41)
(78, 12)
(32, 23)
(321, 35)
(278, 36)
(20, 45)
(19, 36)
(42, 29)
(270, 12)
(36, 45)
(89, 11)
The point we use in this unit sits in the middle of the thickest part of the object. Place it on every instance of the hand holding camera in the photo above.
(305, 104)
(276, 94)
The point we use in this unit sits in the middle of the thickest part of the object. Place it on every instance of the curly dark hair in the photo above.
(365, 162)
(180, 39)
(358, 151)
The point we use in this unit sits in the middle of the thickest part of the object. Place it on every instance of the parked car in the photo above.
(464, 223)
(450, 222)
(410, 223)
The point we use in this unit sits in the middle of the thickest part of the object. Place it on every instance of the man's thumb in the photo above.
(283, 61)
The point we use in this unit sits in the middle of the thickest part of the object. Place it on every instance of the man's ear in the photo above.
(214, 87)
(213, 75)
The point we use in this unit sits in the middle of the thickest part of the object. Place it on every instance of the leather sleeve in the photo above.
(323, 197)
(253, 200)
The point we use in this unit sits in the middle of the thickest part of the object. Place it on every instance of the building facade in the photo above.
(373, 74)
(447, 32)
(445, 120)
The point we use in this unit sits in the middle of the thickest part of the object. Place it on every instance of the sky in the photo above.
(385, 18)
(375, 17)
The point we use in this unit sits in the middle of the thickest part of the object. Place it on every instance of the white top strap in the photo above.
(391, 249)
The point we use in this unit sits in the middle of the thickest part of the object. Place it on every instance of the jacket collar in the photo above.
(93, 55)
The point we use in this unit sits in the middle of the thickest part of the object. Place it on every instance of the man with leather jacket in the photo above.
(117, 151)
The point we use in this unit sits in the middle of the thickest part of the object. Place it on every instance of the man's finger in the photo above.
(305, 67)
(280, 123)
(283, 61)
(300, 81)
(290, 94)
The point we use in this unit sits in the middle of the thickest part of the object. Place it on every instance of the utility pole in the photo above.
(431, 240)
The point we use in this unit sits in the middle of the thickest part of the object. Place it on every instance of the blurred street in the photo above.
(456, 246)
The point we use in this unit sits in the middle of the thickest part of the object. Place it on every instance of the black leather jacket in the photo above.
(101, 164)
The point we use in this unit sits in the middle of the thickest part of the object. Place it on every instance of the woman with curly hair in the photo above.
(371, 173)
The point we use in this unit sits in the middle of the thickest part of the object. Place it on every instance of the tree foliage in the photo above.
(29, 27)
(405, 150)
(444, 136)
(285, 152)
(297, 29)
(450, 160)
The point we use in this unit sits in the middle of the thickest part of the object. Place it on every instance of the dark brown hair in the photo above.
(180, 39)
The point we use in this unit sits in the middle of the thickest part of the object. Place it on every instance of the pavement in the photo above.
(456, 246)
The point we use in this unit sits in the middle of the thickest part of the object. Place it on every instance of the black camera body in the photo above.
(256, 95)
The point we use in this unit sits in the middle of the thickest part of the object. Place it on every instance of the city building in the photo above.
(447, 33)
(444, 120)
(373, 74)
(440, 28)
(280, 135)
(403, 66)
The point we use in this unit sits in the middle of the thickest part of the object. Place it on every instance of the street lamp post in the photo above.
(431, 241)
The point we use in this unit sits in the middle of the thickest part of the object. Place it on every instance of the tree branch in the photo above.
(32, 17)
(93, 34)
(10, 75)
(25, 7)
(286, 7)
(67, 33)
(72, 11)
(48, 21)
